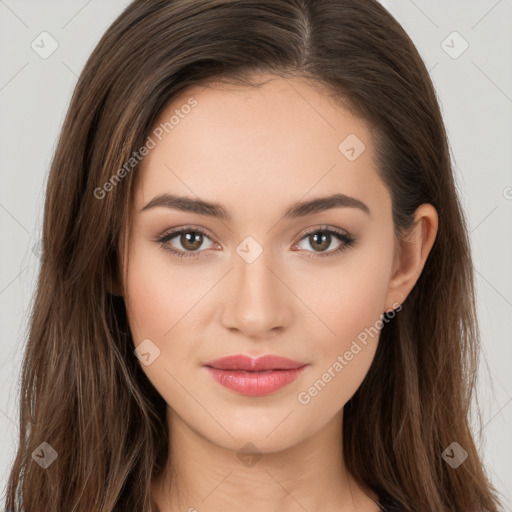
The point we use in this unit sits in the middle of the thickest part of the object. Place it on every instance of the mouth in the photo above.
(254, 376)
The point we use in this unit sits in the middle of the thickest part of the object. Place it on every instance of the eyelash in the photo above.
(347, 241)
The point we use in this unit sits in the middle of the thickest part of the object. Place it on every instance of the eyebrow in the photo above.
(300, 209)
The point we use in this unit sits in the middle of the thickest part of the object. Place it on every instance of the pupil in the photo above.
(325, 237)
(191, 245)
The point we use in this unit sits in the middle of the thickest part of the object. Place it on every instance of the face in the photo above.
(309, 285)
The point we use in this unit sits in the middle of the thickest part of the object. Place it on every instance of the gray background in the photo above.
(475, 92)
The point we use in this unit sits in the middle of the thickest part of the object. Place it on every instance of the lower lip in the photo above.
(255, 383)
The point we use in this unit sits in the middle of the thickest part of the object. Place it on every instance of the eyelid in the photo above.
(171, 233)
(323, 227)
(346, 240)
(188, 228)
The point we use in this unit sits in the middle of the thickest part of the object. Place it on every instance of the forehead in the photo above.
(285, 138)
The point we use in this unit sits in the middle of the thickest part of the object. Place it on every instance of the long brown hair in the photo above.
(83, 391)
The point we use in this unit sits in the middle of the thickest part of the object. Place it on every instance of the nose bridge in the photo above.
(256, 302)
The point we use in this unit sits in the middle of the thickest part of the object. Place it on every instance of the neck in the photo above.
(311, 475)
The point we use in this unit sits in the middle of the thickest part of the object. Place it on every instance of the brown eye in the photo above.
(322, 239)
(190, 240)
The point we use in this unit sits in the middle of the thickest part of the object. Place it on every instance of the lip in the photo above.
(254, 364)
(254, 376)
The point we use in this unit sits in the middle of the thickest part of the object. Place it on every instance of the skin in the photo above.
(257, 151)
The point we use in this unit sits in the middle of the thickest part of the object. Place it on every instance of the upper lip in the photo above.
(248, 363)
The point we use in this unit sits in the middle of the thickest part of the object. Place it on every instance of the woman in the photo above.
(307, 337)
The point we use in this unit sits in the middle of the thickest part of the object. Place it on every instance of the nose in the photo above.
(257, 302)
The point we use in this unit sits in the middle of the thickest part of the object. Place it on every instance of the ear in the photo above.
(411, 255)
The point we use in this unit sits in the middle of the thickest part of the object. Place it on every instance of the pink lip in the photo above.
(254, 376)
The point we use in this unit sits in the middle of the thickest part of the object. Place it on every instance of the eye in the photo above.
(320, 239)
(191, 239)
(324, 238)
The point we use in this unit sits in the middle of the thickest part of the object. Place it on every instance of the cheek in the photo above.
(160, 300)
(151, 302)
(358, 300)
(160, 293)
(343, 359)
(349, 299)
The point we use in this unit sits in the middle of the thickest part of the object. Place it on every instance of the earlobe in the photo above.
(412, 254)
